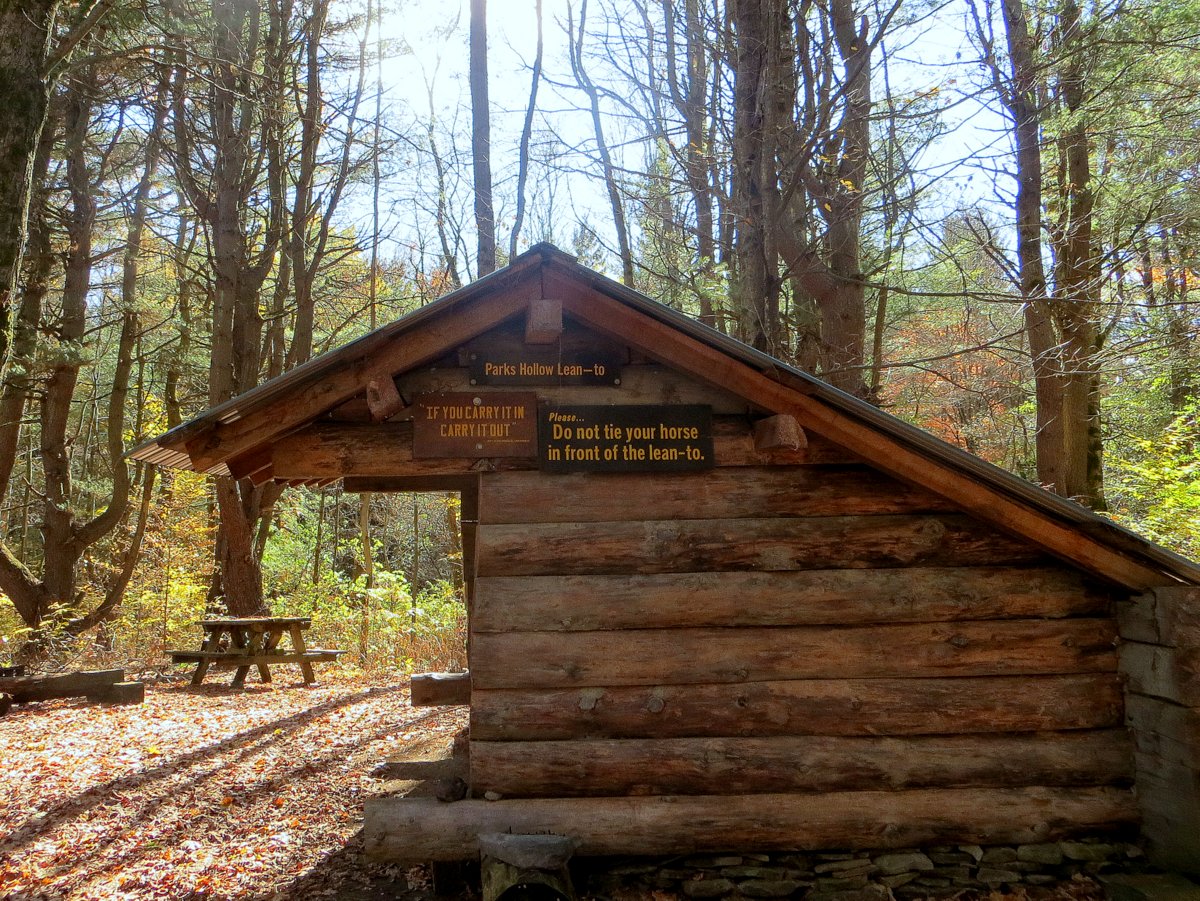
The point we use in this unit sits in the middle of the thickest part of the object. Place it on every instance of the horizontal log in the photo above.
(815, 597)
(806, 707)
(440, 689)
(418, 829)
(698, 545)
(727, 493)
(330, 449)
(755, 654)
(1169, 673)
(730, 766)
(69, 685)
(1164, 616)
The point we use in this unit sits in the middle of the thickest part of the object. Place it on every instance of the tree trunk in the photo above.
(26, 29)
(1020, 94)
(481, 140)
(756, 291)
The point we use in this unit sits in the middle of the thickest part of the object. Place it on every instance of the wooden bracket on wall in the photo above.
(778, 433)
(543, 321)
(383, 399)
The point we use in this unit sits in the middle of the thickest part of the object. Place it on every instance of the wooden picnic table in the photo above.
(243, 642)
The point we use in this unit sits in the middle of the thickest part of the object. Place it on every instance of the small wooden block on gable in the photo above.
(781, 432)
(383, 399)
(543, 321)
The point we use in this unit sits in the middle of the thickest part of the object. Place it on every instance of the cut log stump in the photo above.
(440, 689)
(121, 693)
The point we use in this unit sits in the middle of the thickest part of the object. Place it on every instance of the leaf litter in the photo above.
(207, 792)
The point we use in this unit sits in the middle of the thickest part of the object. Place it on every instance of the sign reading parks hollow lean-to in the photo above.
(492, 424)
(544, 366)
(625, 438)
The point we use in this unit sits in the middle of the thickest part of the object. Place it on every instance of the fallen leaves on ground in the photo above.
(205, 792)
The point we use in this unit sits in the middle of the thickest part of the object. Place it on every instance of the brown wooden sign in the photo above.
(625, 438)
(544, 366)
(466, 424)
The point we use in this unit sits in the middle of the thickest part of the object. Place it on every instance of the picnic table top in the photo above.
(254, 622)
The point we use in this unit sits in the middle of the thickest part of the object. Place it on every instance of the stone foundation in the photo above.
(856, 875)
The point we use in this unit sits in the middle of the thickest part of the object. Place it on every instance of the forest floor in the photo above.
(220, 793)
(207, 792)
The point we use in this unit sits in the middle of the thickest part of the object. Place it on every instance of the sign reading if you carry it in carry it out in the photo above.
(564, 438)
(491, 424)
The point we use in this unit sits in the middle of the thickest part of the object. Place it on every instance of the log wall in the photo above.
(786, 629)
(789, 650)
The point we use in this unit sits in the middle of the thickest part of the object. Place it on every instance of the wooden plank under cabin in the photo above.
(727, 493)
(729, 766)
(419, 829)
(801, 707)
(761, 654)
(796, 598)
(828, 542)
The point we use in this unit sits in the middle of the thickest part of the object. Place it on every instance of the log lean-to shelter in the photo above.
(716, 604)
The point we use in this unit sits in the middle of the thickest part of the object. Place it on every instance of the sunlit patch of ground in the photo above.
(204, 792)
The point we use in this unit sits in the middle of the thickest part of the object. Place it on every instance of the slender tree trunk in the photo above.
(481, 141)
(584, 82)
(526, 136)
(756, 291)
(1020, 94)
(1078, 274)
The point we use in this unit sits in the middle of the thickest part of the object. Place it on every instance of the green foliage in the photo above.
(1154, 483)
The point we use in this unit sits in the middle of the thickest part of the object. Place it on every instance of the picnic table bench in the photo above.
(243, 642)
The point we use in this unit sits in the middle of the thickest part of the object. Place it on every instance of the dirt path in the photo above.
(204, 793)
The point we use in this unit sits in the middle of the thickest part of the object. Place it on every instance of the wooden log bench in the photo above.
(242, 642)
(98, 686)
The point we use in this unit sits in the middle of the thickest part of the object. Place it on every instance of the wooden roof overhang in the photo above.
(235, 436)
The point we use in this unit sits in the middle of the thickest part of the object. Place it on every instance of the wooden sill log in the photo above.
(418, 829)
(440, 689)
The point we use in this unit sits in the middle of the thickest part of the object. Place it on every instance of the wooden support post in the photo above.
(1160, 657)
(543, 321)
(298, 644)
